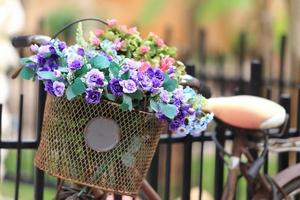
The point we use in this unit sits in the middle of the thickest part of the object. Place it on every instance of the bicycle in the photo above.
(249, 130)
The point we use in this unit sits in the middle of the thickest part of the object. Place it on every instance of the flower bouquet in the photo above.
(110, 97)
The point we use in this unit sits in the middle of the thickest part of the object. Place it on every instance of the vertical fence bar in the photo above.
(39, 174)
(256, 80)
(201, 166)
(281, 65)
(153, 175)
(168, 168)
(1, 106)
(219, 164)
(202, 54)
(18, 167)
(266, 165)
(283, 158)
(298, 119)
(187, 159)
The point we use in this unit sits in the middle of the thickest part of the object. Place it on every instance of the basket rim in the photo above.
(102, 100)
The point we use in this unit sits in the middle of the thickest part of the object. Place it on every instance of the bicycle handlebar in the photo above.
(26, 40)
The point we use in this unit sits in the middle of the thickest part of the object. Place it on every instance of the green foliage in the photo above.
(100, 62)
(151, 10)
(212, 9)
(77, 88)
(114, 69)
(169, 84)
(168, 110)
(27, 73)
(154, 105)
(46, 75)
(59, 18)
(80, 36)
(127, 103)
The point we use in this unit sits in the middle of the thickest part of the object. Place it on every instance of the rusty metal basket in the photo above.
(97, 145)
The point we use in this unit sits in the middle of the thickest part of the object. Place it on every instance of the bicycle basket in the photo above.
(65, 152)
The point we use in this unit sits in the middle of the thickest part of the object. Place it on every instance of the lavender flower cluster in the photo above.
(102, 71)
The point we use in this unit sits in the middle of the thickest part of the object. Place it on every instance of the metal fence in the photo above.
(256, 86)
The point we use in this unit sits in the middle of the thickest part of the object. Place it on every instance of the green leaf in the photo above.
(127, 103)
(63, 69)
(169, 84)
(168, 110)
(100, 62)
(81, 72)
(46, 75)
(114, 69)
(154, 105)
(137, 95)
(78, 87)
(70, 94)
(110, 96)
(27, 73)
(125, 76)
(25, 61)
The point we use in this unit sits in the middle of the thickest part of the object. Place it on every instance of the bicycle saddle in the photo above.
(247, 112)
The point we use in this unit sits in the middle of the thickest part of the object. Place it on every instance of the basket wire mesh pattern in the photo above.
(64, 153)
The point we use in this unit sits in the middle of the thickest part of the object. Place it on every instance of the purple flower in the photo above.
(178, 94)
(164, 96)
(34, 48)
(114, 87)
(150, 72)
(156, 84)
(80, 51)
(40, 59)
(75, 62)
(129, 86)
(61, 45)
(159, 75)
(92, 96)
(145, 82)
(49, 87)
(50, 64)
(46, 50)
(176, 123)
(58, 88)
(95, 78)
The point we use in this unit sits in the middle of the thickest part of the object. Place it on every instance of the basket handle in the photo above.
(76, 22)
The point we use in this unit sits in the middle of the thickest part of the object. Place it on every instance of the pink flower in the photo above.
(99, 32)
(144, 49)
(123, 28)
(118, 44)
(111, 22)
(132, 30)
(166, 63)
(159, 42)
(144, 66)
(95, 41)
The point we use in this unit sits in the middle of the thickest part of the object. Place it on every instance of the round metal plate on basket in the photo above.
(102, 134)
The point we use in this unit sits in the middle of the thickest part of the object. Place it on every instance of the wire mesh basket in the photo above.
(97, 145)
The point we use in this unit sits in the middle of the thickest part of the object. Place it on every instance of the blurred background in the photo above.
(219, 37)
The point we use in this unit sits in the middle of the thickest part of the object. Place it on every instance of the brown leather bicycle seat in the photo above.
(247, 112)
